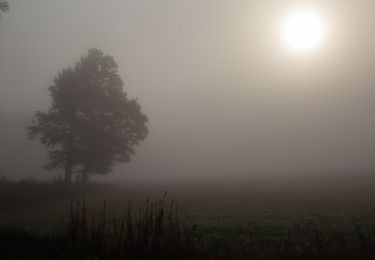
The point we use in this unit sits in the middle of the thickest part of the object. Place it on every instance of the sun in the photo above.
(303, 30)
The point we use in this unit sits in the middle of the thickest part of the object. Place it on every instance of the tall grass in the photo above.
(156, 231)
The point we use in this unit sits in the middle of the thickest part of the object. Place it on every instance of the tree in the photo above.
(4, 6)
(91, 124)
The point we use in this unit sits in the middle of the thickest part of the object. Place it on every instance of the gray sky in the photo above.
(223, 95)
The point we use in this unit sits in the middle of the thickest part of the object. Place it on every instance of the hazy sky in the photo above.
(223, 94)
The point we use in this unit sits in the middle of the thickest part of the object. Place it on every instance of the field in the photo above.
(269, 219)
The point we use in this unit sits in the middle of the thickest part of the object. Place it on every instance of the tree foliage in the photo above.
(91, 124)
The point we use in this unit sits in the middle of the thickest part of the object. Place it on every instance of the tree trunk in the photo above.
(68, 173)
(84, 177)
(69, 164)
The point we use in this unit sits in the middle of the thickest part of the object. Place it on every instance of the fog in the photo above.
(224, 97)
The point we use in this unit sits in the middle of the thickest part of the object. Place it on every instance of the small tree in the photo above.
(91, 124)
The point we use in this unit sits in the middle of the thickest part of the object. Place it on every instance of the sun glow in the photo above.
(303, 30)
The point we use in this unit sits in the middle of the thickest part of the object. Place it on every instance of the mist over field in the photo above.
(223, 98)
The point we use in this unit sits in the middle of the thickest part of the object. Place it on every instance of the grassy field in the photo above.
(273, 219)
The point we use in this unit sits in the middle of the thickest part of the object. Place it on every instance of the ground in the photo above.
(213, 202)
(231, 213)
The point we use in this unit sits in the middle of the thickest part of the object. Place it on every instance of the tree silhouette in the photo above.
(91, 124)
(4, 6)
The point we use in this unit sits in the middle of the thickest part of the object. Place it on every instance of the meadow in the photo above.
(265, 219)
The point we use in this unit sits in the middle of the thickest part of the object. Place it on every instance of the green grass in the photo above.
(243, 221)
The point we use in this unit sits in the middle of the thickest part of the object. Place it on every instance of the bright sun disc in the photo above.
(303, 30)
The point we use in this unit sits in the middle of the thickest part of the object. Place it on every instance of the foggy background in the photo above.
(224, 97)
